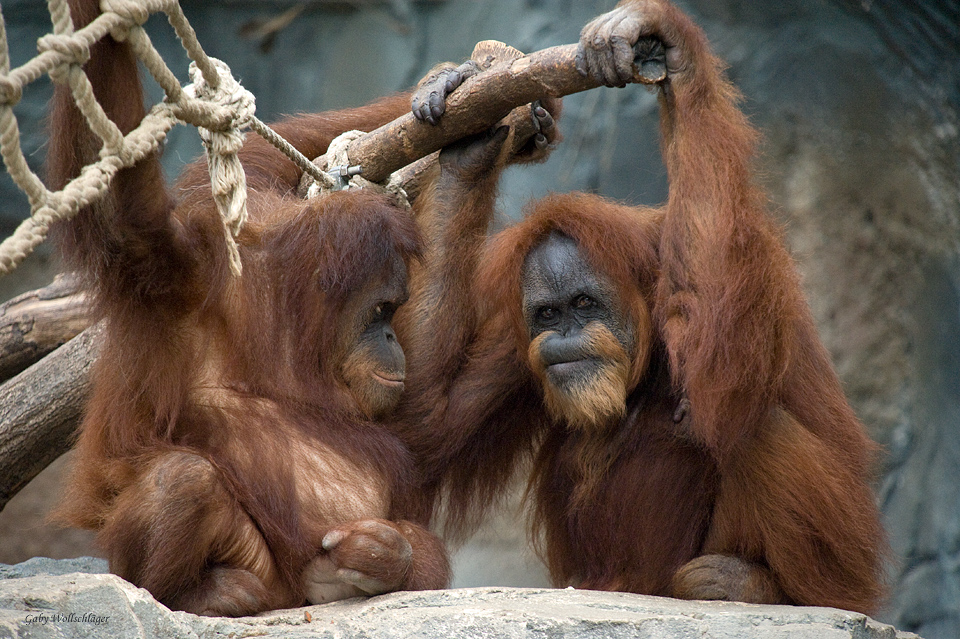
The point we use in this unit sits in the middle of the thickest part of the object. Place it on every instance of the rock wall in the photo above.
(860, 105)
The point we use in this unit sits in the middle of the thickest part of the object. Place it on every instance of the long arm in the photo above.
(455, 213)
(465, 409)
(727, 295)
(726, 288)
(125, 244)
(471, 435)
(742, 346)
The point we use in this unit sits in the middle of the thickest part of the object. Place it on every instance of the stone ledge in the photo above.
(45, 598)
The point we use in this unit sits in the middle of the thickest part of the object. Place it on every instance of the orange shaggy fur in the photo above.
(221, 443)
(762, 483)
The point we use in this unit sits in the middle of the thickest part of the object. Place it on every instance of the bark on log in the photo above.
(40, 411)
(468, 113)
(479, 103)
(36, 323)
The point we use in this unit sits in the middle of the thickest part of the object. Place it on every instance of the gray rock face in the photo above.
(45, 598)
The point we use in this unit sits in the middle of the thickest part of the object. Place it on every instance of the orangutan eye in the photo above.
(546, 314)
(583, 302)
(383, 312)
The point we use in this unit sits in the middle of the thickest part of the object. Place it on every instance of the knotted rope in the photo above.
(227, 179)
(336, 162)
(214, 102)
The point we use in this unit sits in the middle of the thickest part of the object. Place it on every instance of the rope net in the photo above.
(214, 102)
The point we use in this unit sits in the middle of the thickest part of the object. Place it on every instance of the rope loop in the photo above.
(335, 166)
(70, 47)
(336, 163)
(337, 150)
(10, 91)
(136, 13)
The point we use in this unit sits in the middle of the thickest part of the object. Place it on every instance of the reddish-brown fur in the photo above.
(221, 443)
(757, 488)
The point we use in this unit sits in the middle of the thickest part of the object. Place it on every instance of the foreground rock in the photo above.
(76, 598)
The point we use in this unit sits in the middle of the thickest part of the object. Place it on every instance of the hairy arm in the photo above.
(455, 214)
(466, 410)
(727, 295)
(479, 431)
(794, 496)
(126, 245)
(461, 407)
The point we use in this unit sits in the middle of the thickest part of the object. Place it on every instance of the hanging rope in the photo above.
(215, 103)
(227, 179)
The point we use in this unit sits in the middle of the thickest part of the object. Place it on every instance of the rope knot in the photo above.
(228, 92)
(10, 91)
(133, 11)
(227, 179)
(73, 50)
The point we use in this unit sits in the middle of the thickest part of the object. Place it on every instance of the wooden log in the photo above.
(41, 409)
(480, 102)
(488, 54)
(36, 323)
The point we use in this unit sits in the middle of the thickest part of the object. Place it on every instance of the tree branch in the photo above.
(40, 411)
(479, 103)
(35, 323)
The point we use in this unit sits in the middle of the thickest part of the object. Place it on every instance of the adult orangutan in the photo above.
(660, 367)
(233, 457)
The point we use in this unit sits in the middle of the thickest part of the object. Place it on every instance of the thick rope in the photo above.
(215, 103)
(302, 162)
(227, 179)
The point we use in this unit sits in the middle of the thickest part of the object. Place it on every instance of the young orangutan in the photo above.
(233, 457)
(236, 455)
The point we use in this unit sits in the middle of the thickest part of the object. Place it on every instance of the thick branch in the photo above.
(413, 175)
(475, 106)
(35, 323)
(40, 411)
